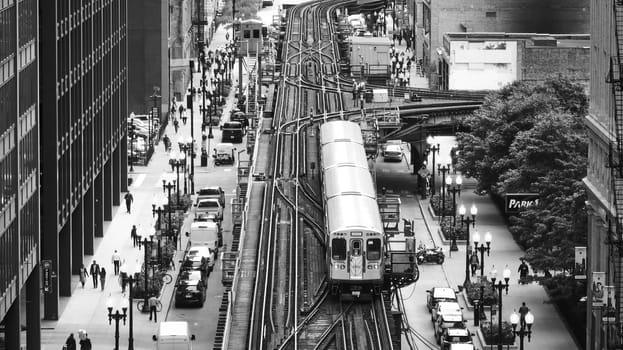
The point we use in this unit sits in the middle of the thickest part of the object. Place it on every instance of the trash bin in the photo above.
(204, 158)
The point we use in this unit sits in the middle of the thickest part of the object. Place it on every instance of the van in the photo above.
(204, 233)
(232, 132)
(173, 336)
(392, 152)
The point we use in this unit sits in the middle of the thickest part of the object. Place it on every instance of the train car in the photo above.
(356, 241)
(251, 39)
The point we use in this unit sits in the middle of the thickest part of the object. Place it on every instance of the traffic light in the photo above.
(131, 129)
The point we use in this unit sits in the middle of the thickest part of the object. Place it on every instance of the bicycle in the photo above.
(141, 303)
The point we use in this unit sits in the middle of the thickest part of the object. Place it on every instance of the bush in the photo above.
(184, 203)
(473, 292)
(490, 333)
(155, 284)
(448, 231)
(437, 203)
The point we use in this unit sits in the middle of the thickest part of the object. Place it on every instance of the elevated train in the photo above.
(356, 241)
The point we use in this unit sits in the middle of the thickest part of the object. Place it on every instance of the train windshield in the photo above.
(338, 249)
(374, 249)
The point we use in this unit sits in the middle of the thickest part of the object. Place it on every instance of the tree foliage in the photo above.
(530, 138)
(246, 9)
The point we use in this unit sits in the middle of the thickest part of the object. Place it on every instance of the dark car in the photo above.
(192, 275)
(190, 293)
(455, 336)
(438, 294)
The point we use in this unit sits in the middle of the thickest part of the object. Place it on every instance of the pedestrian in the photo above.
(354, 93)
(94, 271)
(128, 201)
(70, 343)
(124, 280)
(85, 344)
(83, 274)
(153, 301)
(523, 271)
(473, 261)
(134, 236)
(102, 277)
(167, 143)
(176, 125)
(523, 310)
(116, 260)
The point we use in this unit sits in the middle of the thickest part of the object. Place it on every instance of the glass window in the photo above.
(374, 249)
(356, 248)
(247, 34)
(256, 33)
(338, 249)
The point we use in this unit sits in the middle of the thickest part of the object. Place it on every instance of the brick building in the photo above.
(488, 61)
(513, 16)
(19, 174)
(83, 99)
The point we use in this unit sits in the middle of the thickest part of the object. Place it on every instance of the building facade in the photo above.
(513, 16)
(83, 163)
(19, 174)
(489, 61)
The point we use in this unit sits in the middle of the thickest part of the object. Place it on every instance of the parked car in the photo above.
(197, 263)
(438, 294)
(209, 206)
(446, 308)
(445, 322)
(191, 275)
(211, 192)
(203, 217)
(451, 336)
(392, 153)
(189, 293)
(205, 252)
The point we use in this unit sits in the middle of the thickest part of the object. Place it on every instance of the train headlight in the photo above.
(342, 266)
(373, 266)
(339, 266)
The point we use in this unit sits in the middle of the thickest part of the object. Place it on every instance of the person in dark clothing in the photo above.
(523, 311)
(473, 261)
(94, 271)
(176, 125)
(102, 277)
(85, 344)
(70, 343)
(134, 236)
(128, 201)
(153, 301)
(523, 271)
(167, 143)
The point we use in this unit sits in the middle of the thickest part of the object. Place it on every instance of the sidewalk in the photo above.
(549, 330)
(86, 308)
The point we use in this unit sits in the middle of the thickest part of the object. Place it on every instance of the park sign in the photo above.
(516, 202)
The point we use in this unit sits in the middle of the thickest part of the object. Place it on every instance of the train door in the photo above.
(356, 260)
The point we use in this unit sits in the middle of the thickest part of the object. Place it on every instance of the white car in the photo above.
(205, 252)
(446, 308)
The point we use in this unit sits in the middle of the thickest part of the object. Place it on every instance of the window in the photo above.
(247, 34)
(491, 14)
(256, 33)
(338, 249)
(374, 249)
(356, 248)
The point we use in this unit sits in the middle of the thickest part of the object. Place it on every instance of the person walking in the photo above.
(473, 262)
(523, 311)
(95, 271)
(116, 261)
(167, 143)
(85, 344)
(523, 271)
(102, 277)
(134, 236)
(153, 301)
(176, 125)
(70, 343)
(83, 274)
(128, 201)
(124, 280)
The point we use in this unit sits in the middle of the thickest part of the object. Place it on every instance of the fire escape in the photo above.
(612, 315)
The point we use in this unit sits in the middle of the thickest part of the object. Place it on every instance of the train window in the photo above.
(247, 34)
(374, 249)
(356, 248)
(338, 249)
(256, 33)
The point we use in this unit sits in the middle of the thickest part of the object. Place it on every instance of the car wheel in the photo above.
(440, 260)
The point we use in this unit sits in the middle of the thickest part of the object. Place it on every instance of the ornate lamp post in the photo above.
(433, 149)
(147, 244)
(131, 281)
(443, 170)
(159, 210)
(468, 221)
(208, 104)
(525, 329)
(155, 97)
(499, 287)
(482, 249)
(177, 160)
(454, 189)
(131, 133)
(169, 184)
(117, 316)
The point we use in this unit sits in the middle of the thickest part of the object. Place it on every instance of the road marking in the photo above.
(226, 170)
(139, 180)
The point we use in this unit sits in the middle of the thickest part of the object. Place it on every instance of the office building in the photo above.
(19, 174)
(83, 94)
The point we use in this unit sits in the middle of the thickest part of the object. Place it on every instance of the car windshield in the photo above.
(187, 288)
(192, 264)
(208, 204)
(209, 192)
(459, 339)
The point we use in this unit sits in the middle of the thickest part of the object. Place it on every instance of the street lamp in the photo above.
(454, 189)
(168, 184)
(155, 97)
(177, 160)
(525, 329)
(159, 210)
(131, 280)
(443, 170)
(481, 248)
(208, 106)
(500, 286)
(147, 243)
(131, 133)
(117, 316)
(468, 221)
(189, 102)
(433, 149)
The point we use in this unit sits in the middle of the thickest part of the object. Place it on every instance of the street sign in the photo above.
(515, 202)
(48, 274)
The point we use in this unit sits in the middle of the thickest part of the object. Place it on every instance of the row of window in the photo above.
(9, 259)
(29, 148)
(8, 102)
(27, 21)
(7, 179)
(29, 221)
(7, 32)
(339, 248)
